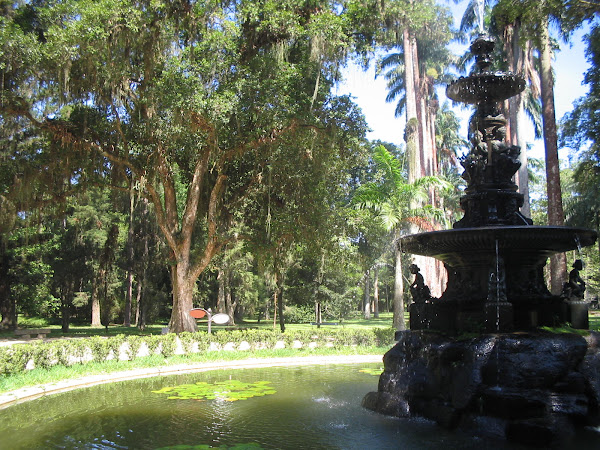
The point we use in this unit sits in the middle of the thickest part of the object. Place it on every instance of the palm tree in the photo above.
(447, 138)
(411, 72)
(391, 199)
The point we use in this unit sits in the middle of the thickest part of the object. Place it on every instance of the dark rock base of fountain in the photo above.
(530, 388)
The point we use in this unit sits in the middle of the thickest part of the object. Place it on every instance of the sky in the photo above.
(369, 92)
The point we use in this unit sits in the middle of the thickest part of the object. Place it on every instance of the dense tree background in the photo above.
(157, 156)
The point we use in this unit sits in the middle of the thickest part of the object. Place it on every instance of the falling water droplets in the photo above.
(497, 288)
(479, 9)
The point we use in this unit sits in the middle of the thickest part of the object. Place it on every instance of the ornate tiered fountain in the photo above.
(475, 357)
(494, 256)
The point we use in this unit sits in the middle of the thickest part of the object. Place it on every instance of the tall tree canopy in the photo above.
(187, 102)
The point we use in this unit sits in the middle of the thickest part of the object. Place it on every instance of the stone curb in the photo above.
(30, 393)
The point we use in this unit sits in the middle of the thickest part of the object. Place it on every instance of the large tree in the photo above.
(182, 101)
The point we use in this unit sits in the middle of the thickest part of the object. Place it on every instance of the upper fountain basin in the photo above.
(486, 86)
(542, 240)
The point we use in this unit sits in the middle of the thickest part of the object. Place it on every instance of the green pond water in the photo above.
(309, 407)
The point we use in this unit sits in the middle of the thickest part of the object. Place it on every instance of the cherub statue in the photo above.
(418, 289)
(574, 289)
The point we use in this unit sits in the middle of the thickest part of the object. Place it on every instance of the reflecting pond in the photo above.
(308, 407)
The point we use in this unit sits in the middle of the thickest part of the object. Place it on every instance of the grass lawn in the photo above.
(595, 320)
(384, 321)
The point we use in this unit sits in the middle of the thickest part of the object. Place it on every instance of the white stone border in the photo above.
(30, 393)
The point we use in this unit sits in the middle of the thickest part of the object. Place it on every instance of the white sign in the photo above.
(220, 319)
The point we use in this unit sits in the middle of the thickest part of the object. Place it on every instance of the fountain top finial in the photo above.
(482, 48)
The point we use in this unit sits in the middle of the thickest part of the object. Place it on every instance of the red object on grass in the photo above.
(197, 313)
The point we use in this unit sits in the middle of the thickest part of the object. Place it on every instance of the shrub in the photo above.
(99, 347)
(299, 314)
(135, 343)
(14, 359)
(385, 336)
(168, 344)
(44, 356)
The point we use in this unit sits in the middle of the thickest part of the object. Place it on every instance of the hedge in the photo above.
(21, 357)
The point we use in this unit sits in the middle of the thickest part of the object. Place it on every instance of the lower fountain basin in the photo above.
(453, 246)
(496, 278)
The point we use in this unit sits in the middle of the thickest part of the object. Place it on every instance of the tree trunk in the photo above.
(8, 309)
(411, 135)
(66, 300)
(432, 114)
(523, 173)
(183, 290)
(221, 291)
(281, 318)
(558, 262)
(516, 117)
(318, 282)
(128, 299)
(139, 321)
(367, 297)
(96, 322)
(130, 258)
(275, 306)
(230, 304)
(142, 284)
(398, 320)
(420, 106)
(376, 294)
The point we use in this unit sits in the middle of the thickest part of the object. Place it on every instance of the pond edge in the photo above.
(10, 398)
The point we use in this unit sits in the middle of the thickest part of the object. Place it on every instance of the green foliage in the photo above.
(168, 345)
(385, 336)
(565, 329)
(14, 359)
(299, 314)
(134, 345)
(193, 96)
(100, 348)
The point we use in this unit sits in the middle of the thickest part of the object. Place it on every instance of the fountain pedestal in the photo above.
(530, 388)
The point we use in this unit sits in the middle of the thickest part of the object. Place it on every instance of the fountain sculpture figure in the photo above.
(475, 358)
